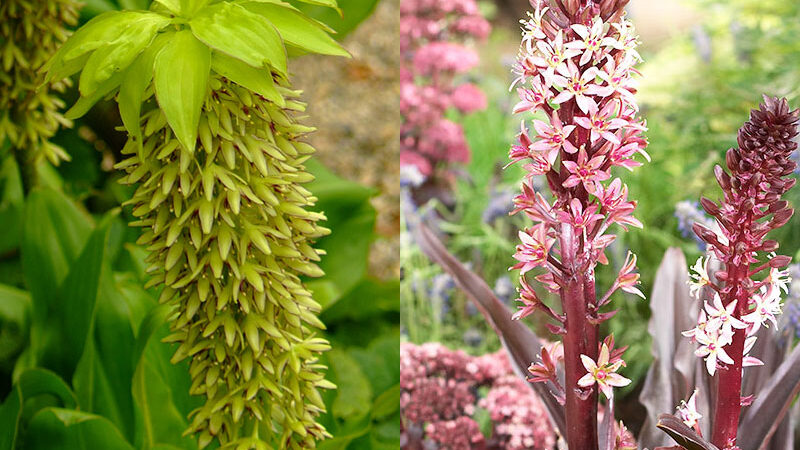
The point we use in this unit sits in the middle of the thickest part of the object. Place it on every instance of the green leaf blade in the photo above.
(257, 80)
(298, 30)
(181, 81)
(228, 28)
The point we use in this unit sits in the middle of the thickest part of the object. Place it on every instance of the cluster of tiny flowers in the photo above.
(433, 37)
(578, 72)
(439, 396)
(514, 410)
(688, 213)
(30, 33)
(752, 192)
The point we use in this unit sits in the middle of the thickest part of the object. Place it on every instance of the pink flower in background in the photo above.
(444, 57)
(444, 141)
(435, 46)
(467, 98)
(438, 399)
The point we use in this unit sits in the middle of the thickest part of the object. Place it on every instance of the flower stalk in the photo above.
(576, 66)
(757, 177)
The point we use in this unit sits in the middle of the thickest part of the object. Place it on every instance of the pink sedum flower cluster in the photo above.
(433, 43)
(576, 74)
(439, 398)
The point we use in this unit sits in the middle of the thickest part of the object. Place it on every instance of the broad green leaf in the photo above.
(75, 430)
(353, 389)
(134, 84)
(103, 378)
(12, 205)
(174, 6)
(349, 212)
(85, 103)
(229, 28)
(31, 383)
(181, 81)
(69, 318)
(115, 56)
(257, 80)
(159, 388)
(344, 20)
(387, 403)
(190, 7)
(326, 3)
(55, 233)
(97, 32)
(15, 317)
(298, 30)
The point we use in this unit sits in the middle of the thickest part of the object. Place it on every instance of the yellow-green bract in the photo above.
(217, 155)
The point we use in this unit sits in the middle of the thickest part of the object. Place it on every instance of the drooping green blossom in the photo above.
(218, 157)
(30, 33)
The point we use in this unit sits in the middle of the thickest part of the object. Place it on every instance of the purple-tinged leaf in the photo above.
(763, 418)
(682, 434)
(771, 350)
(522, 345)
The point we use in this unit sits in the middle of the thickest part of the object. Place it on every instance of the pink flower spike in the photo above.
(552, 138)
(586, 172)
(534, 249)
(602, 373)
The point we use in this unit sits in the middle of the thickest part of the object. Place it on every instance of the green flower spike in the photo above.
(218, 159)
(30, 33)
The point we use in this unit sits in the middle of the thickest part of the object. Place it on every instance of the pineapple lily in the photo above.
(751, 207)
(575, 66)
(217, 157)
(30, 33)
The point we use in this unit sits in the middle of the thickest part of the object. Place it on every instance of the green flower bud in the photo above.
(30, 33)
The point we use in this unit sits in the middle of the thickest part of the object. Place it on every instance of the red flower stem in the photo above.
(581, 412)
(729, 382)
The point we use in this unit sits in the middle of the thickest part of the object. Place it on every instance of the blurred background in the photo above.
(706, 64)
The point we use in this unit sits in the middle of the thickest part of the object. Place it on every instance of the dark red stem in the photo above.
(581, 338)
